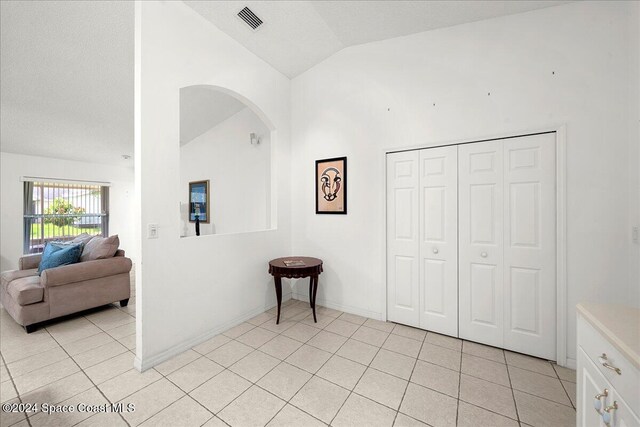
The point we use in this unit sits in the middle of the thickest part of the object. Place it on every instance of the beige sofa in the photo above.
(31, 299)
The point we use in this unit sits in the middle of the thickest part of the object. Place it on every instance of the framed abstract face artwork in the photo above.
(199, 201)
(331, 186)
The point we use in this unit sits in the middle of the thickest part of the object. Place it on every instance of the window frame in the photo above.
(39, 196)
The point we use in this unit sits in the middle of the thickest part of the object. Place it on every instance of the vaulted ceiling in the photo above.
(66, 67)
(296, 35)
(202, 108)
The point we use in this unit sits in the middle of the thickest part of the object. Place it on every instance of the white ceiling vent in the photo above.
(250, 18)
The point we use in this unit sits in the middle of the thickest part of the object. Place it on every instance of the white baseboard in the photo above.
(340, 307)
(571, 363)
(156, 359)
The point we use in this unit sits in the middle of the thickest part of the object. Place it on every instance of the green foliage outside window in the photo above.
(61, 206)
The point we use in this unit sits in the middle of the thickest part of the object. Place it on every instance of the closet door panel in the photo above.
(439, 240)
(480, 174)
(530, 245)
(403, 305)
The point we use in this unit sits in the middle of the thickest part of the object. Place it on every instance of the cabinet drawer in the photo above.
(623, 416)
(627, 383)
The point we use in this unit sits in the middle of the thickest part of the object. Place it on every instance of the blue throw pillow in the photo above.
(57, 254)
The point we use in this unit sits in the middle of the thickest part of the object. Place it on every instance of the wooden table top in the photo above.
(308, 262)
(312, 267)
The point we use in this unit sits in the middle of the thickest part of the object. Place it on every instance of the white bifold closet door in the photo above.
(507, 244)
(480, 254)
(422, 269)
(471, 242)
(439, 240)
(403, 246)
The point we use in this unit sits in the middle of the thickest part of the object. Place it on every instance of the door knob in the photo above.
(435, 250)
(483, 254)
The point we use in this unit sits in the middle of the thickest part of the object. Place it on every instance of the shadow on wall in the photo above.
(225, 164)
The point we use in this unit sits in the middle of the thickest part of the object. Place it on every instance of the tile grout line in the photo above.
(531, 394)
(564, 388)
(82, 370)
(363, 372)
(288, 402)
(140, 389)
(513, 393)
(368, 366)
(62, 378)
(297, 320)
(437, 391)
(255, 383)
(459, 383)
(18, 396)
(501, 385)
(186, 393)
(409, 380)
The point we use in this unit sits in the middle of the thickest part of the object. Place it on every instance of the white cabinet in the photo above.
(603, 370)
(471, 242)
(593, 388)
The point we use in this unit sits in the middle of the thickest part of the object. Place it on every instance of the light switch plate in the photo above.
(152, 231)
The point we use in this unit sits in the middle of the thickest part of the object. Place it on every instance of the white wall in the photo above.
(191, 288)
(633, 162)
(14, 166)
(239, 175)
(573, 64)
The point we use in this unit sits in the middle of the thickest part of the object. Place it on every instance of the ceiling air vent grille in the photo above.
(250, 18)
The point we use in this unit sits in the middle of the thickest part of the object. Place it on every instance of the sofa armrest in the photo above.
(30, 261)
(82, 271)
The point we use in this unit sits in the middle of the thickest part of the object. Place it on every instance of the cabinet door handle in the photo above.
(435, 250)
(608, 413)
(605, 362)
(597, 402)
(483, 254)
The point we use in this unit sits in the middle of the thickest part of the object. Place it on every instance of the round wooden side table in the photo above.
(296, 268)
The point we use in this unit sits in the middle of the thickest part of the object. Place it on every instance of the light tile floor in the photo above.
(345, 370)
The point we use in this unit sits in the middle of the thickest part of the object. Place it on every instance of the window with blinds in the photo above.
(55, 211)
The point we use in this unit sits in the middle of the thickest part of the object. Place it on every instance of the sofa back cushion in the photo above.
(58, 254)
(82, 238)
(100, 248)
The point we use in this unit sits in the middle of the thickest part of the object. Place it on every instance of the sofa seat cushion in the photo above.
(9, 276)
(26, 290)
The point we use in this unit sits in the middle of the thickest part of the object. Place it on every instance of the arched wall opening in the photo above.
(226, 163)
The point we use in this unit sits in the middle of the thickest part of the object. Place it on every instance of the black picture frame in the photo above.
(321, 190)
(197, 191)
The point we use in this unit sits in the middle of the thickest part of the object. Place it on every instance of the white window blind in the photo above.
(59, 210)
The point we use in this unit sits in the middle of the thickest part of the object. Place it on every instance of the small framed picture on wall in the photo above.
(199, 201)
(331, 186)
